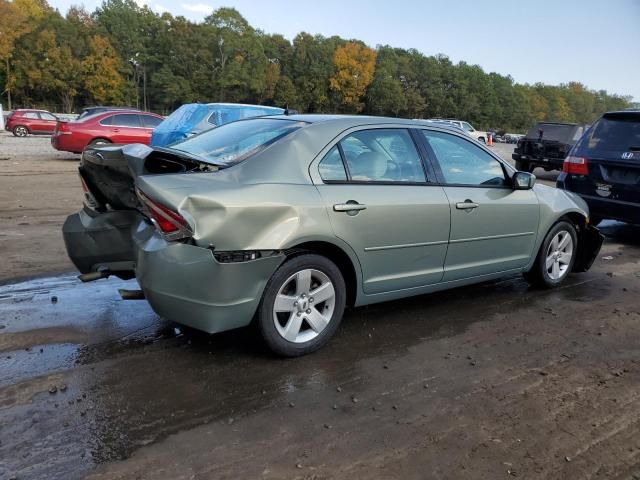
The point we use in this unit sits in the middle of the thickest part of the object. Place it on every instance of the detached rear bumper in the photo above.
(186, 284)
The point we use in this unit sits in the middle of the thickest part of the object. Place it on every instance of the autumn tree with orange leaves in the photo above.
(355, 65)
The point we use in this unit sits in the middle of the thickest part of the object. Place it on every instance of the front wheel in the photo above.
(302, 305)
(556, 256)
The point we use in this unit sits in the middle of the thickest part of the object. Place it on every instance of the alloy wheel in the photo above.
(559, 255)
(304, 305)
(21, 132)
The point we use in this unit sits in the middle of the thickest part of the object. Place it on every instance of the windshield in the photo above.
(237, 141)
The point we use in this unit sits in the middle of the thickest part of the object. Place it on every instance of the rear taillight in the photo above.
(575, 166)
(62, 128)
(168, 222)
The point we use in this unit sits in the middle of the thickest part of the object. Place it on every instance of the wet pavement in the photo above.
(479, 382)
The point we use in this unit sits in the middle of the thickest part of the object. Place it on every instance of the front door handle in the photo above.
(466, 205)
(351, 207)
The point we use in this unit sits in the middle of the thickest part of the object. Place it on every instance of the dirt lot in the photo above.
(492, 381)
(38, 189)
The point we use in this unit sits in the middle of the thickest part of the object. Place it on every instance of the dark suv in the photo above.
(546, 145)
(604, 168)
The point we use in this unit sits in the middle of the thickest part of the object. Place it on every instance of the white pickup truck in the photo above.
(466, 126)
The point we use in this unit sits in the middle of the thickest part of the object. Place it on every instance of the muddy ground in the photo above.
(490, 381)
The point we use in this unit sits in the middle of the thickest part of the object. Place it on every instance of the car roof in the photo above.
(30, 110)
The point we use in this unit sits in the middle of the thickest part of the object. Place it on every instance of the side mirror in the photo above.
(523, 181)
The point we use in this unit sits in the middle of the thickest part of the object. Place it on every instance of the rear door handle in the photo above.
(466, 205)
(350, 206)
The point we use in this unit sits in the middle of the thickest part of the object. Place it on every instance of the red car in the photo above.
(25, 121)
(117, 126)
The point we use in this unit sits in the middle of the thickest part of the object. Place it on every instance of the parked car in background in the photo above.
(546, 145)
(466, 126)
(113, 126)
(604, 168)
(26, 121)
(87, 111)
(512, 137)
(287, 219)
(193, 118)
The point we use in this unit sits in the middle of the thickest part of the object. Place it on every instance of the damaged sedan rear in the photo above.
(286, 220)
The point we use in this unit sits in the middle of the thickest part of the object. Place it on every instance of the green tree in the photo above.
(101, 70)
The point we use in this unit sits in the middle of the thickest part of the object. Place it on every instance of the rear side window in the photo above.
(612, 136)
(150, 121)
(105, 121)
(126, 120)
(32, 115)
(382, 155)
(462, 162)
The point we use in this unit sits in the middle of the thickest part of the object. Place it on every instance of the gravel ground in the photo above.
(38, 189)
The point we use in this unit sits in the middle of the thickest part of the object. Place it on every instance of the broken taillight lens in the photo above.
(575, 166)
(168, 222)
(89, 199)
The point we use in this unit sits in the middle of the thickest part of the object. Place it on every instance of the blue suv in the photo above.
(604, 168)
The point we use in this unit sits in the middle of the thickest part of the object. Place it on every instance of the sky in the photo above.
(593, 42)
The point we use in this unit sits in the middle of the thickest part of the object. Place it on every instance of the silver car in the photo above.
(286, 220)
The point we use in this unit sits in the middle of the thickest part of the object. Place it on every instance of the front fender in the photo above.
(556, 204)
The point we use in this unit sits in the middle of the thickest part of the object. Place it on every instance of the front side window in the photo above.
(47, 116)
(231, 143)
(382, 155)
(467, 127)
(463, 163)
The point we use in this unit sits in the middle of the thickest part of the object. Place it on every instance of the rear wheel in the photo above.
(99, 141)
(556, 256)
(523, 166)
(20, 131)
(482, 139)
(302, 305)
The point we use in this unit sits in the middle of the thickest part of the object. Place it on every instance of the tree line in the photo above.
(126, 54)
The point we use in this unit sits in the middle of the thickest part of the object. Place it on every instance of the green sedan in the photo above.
(284, 221)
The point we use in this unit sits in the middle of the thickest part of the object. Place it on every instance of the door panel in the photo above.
(401, 235)
(493, 227)
(498, 235)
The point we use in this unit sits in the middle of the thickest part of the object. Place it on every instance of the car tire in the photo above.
(96, 142)
(290, 320)
(556, 256)
(20, 131)
(482, 140)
